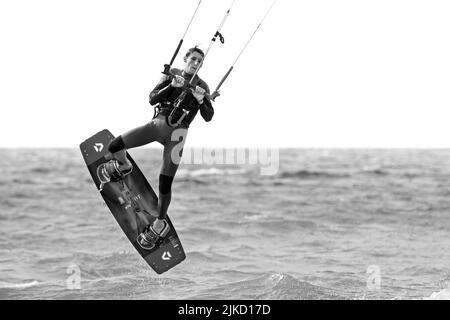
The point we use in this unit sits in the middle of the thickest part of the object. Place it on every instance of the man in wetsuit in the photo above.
(167, 94)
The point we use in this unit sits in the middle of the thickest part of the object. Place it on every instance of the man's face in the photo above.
(193, 62)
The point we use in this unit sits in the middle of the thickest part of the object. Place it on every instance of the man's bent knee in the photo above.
(116, 145)
(165, 184)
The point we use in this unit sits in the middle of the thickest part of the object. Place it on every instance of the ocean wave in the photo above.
(254, 217)
(235, 273)
(306, 174)
(441, 295)
(21, 195)
(210, 257)
(375, 172)
(104, 259)
(210, 172)
(206, 233)
(42, 170)
(420, 270)
(286, 287)
(284, 225)
(25, 285)
(11, 202)
(410, 175)
(243, 249)
(192, 180)
(100, 278)
(23, 181)
(270, 286)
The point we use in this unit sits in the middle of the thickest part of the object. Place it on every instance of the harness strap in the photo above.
(166, 111)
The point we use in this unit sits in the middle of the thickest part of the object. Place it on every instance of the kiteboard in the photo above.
(133, 203)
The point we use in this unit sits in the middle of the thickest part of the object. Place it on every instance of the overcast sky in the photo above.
(322, 73)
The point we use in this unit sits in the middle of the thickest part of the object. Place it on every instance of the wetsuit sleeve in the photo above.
(161, 91)
(206, 108)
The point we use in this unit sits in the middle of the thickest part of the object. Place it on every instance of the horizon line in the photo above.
(251, 147)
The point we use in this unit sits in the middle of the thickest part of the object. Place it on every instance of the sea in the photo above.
(327, 224)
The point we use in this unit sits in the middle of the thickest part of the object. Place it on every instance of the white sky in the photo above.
(319, 73)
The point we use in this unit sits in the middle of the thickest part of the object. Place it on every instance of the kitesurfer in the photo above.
(170, 115)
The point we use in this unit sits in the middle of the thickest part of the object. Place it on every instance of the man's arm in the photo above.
(161, 91)
(206, 108)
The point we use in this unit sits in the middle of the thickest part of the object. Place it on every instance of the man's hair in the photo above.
(192, 50)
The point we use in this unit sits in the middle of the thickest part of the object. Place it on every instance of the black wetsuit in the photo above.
(165, 95)
(172, 138)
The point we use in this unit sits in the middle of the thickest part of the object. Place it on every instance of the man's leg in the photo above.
(167, 174)
(117, 151)
(134, 138)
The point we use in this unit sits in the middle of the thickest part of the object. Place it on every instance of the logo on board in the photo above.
(98, 147)
(166, 255)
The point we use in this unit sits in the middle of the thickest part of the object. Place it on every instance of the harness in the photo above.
(178, 113)
(175, 114)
